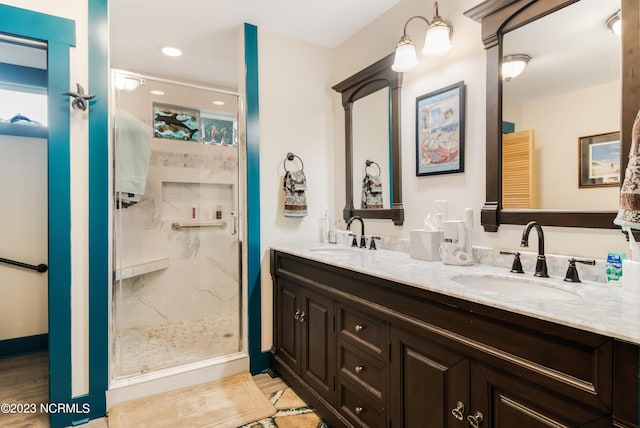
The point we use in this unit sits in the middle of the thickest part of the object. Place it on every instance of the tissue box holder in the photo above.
(425, 245)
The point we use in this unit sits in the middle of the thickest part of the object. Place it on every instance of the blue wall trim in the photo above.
(23, 345)
(59, 33)
(21, 75)
(98, 210)
(39, 26)
(259, 361)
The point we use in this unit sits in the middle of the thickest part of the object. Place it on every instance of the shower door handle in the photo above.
(234, 226)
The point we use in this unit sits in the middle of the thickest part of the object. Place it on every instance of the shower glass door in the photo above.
(176, 290)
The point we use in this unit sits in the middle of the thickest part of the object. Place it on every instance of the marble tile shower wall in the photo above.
(202, 275)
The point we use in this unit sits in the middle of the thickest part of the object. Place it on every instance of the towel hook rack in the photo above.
(368, 163)
(290, 157)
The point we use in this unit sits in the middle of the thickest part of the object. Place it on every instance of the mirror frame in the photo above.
(501, 16)
(371, 79)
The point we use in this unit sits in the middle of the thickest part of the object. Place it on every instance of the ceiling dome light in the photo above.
(513, 65)
(171, 51)
(614, 23)
(156, 92)
(127, 83)
(218, 103)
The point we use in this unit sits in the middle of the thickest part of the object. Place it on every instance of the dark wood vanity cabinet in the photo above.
(305, 340)
(370, 352)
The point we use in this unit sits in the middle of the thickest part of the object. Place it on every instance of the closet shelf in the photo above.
(140, 267)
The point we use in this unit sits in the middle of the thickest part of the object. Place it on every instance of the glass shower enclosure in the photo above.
(176, 287)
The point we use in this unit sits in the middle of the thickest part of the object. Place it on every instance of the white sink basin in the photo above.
(516, 287)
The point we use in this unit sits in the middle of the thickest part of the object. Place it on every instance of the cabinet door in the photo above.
(318, 343)
(288, 311)
(507, 401)
(428, 381)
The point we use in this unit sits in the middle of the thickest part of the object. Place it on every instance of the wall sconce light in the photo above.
(513, 65)
(437, 40)
(614, 23)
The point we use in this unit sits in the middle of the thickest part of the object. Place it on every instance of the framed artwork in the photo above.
(175, 123)
(440, 131)
(599, 160)
(218, 130)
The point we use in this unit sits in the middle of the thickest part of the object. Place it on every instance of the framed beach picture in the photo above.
(440, 131)
(218, 130)
(175, 123)
(599, 160)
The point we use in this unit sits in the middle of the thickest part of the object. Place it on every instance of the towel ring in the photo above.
(368, 163)
(290, 157)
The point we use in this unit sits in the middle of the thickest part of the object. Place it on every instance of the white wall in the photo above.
(465, 61)
(558, 123)
(295, 116)
(24, 305)
(75, 10)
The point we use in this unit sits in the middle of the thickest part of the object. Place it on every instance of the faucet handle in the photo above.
(516, 267)
(354, 241)
(372, 245)
(572, 271)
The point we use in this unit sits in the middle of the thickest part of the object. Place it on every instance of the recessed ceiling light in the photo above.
(218, 103)
(170, 51)
(156, 92)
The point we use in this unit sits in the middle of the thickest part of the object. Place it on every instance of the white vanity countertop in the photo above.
(598, 307)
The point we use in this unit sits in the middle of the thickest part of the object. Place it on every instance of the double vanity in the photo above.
(375, 338)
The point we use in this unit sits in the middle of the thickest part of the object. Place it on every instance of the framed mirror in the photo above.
(371, 102)
(507, 28)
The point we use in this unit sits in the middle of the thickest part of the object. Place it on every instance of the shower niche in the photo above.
(176, 293)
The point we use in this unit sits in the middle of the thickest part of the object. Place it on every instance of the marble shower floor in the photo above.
(142, 349)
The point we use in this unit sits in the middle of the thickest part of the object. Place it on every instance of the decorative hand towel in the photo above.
(371, 191)
(629, 212)
(295, 185)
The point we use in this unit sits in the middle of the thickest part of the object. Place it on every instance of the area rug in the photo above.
(291, 412)
(226, 403)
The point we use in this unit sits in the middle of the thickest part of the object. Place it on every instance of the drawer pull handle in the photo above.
(358, 410)
(359, 327)
(475, 420)
(359, 369)
(458, 412)
(297, 315)
(301, 317)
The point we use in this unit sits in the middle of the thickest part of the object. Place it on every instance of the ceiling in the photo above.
(206, 31)
(569, 49)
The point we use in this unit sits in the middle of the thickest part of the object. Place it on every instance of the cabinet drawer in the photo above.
(359, 406)
(367, 332)
(362, 368)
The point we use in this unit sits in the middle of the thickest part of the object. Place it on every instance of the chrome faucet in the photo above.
(541, 263)
(363, 242)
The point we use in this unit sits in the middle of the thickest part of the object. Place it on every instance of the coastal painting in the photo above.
(599, 160)
(218, 130)
(440, 131)
(175, 123)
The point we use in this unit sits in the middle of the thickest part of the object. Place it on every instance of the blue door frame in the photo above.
(60, 35)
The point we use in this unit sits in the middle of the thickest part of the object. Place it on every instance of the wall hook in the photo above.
(79, 98)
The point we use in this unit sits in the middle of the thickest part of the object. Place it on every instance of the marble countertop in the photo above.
(591, 306)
